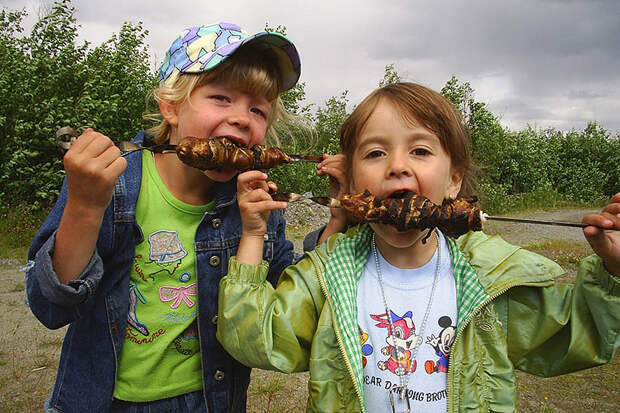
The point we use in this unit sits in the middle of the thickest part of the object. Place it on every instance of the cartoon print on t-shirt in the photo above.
(401, 341)
(442, 346)
(136, 296)
(366, 348)
(166, 251)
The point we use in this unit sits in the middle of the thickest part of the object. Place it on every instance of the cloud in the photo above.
(551, 63)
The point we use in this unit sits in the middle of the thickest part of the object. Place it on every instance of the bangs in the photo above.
(254, 80)
(253, 69)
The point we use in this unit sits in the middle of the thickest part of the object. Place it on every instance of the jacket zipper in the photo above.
(338, 336)
(458, 334)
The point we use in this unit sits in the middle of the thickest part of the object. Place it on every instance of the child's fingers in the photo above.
(270, 205)
(109, 155)
(250, 180)
(91, 144)
(615, 199)
(258, 200)
(597, 223)
(83, 140)
(330, 160)
(249, 176)
(612, 208)
(117, 167)
(272, 187)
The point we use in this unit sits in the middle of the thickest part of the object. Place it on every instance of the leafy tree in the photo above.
(462, 97)
(329, 119)
(54, 82)
(323, 138)
(48, 80)
(12, 71)
(390, 76)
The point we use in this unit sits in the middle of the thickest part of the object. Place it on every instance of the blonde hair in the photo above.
(416, 104)
(252, 69)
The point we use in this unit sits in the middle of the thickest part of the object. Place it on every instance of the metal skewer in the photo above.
(334, 203)
(127, 147)
(293, 197)
(305, 158)
(538, 221)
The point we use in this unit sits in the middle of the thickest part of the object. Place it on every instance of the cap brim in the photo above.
(286, 52)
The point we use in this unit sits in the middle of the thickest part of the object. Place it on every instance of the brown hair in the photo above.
(252, 69)
(416, 104)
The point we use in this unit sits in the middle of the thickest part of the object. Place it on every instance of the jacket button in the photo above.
(219, 375)
(214, 319)
(214, 261)
(215, 223)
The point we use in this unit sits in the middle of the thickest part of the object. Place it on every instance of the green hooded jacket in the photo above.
(511, 314)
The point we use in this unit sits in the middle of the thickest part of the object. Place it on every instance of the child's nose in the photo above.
(399, 166)
(239, 117)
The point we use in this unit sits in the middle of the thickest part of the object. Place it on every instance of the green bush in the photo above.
(49, 82)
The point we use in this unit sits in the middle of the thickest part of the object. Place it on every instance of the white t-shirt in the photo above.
(407, 293)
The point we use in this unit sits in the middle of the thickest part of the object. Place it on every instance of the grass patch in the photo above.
(268, 390)
(496, 199)
(566, 253)
(51, 342)
(586, 390)
(17, 287)
(555, 244)
(297, 232)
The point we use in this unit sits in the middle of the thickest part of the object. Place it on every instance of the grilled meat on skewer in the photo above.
(456, 217)
(412, 211)
(223, 152)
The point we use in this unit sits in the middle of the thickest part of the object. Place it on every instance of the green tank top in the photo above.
(161, 354)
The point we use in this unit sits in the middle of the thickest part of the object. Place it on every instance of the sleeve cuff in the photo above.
(77, 290)
(253, 274)
(608, 281)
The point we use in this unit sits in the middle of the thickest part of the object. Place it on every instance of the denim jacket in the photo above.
(96, 304)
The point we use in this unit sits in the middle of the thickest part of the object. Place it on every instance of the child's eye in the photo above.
(374, 154)
(221, 98)
(421, 152)
(259, 112)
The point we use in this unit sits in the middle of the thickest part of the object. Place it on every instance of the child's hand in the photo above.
(334, 167)
(606, 244)
(93, 164)
(255, 203)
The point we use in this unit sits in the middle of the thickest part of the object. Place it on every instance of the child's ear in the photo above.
(169, 111)
(456, 180)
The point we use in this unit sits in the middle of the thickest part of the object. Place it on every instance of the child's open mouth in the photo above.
(400, 194)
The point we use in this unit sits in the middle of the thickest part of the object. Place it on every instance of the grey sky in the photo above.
(546, 63)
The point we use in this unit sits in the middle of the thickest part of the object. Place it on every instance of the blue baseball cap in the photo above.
(202, 48)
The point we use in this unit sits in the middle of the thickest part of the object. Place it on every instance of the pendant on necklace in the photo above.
(403, 395)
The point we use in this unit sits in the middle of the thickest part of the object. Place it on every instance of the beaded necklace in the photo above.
(399, 351)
